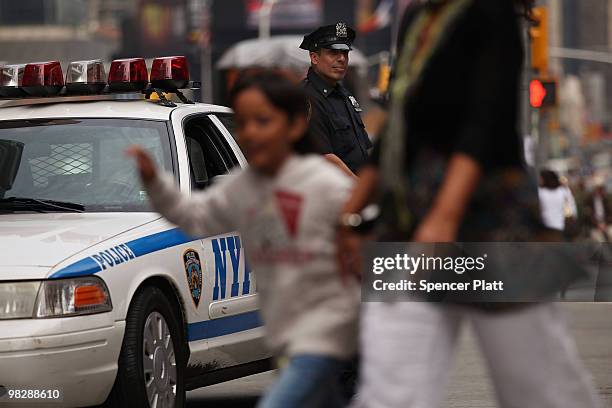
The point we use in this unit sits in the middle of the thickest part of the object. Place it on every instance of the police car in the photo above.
(102, 301)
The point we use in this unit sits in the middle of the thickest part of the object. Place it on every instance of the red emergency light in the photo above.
(86, 78)
(170, 73)
(537, 93)
(128, 74)
(43, 78)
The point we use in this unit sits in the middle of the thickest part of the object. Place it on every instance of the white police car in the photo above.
(102, 300)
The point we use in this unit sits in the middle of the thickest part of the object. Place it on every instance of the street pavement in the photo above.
(591, 325)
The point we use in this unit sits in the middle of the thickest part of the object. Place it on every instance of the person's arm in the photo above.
(349, 243)
(444, 218)
(571, 202)
(336, 160)
(202, 214)
(363, 191)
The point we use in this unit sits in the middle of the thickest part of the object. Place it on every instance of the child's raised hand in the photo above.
(146, 166)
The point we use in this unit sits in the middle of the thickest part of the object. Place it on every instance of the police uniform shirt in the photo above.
(335, 122)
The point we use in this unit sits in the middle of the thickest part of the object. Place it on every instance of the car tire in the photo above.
(151, 369)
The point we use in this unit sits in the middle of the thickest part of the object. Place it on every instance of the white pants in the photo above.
(407, 351)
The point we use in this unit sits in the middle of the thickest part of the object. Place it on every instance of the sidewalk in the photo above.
(591, 325)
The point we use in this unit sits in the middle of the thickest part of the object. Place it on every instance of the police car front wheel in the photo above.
(152, 360)
(159, 362)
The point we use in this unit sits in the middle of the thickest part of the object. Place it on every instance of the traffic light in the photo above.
(543, 93)
(539, 40)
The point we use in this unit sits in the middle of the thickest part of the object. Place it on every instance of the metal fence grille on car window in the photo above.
(65, 159)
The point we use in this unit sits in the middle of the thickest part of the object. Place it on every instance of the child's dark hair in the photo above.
(283, 95)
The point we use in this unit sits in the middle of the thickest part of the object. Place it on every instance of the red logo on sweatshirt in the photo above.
(290, 205)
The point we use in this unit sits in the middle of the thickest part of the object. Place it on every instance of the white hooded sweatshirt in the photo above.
(288, 226)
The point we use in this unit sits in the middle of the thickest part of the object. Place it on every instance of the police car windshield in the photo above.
(80, 161)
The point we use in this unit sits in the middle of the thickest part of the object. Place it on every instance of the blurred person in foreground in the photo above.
(335, 114)
(448, 168)
(285, 205)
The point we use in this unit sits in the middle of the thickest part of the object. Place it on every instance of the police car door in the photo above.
(225, 328)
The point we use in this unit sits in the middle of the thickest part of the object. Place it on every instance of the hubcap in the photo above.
(159, 362)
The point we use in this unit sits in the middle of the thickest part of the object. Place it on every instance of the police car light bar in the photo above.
(11, 77)
(86, 77)
(128, 74)
(22, 84)
(43, 78)
(170, 73)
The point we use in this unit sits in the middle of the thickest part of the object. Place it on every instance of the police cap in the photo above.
(336, 36)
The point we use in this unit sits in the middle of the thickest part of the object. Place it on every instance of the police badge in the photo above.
(193, 269)
(341, 31)
(355, 104)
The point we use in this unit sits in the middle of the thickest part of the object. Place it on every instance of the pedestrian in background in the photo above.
(335, 115)
(598, 213)
(285, 206)
(557, 203)
(450, 169)
(578, 189)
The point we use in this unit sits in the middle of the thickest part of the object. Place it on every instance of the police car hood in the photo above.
(44, 240)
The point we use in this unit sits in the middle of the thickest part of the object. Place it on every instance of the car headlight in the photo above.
(54, 298)
(17, 299)
(70, 297)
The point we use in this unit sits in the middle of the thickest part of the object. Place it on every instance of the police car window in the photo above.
(228, 122)
(209, 155)
(224, 148)
(83, 161)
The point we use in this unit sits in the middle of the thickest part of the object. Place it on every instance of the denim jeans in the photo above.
(309, 381)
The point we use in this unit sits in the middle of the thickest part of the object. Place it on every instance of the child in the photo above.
(286, 205)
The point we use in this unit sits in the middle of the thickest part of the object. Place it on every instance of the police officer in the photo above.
(335, 121)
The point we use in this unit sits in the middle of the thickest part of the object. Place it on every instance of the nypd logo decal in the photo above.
(193, 269)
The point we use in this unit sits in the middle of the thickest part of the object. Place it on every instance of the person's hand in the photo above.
(437, 228)
(145, 164)
(349, 245)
